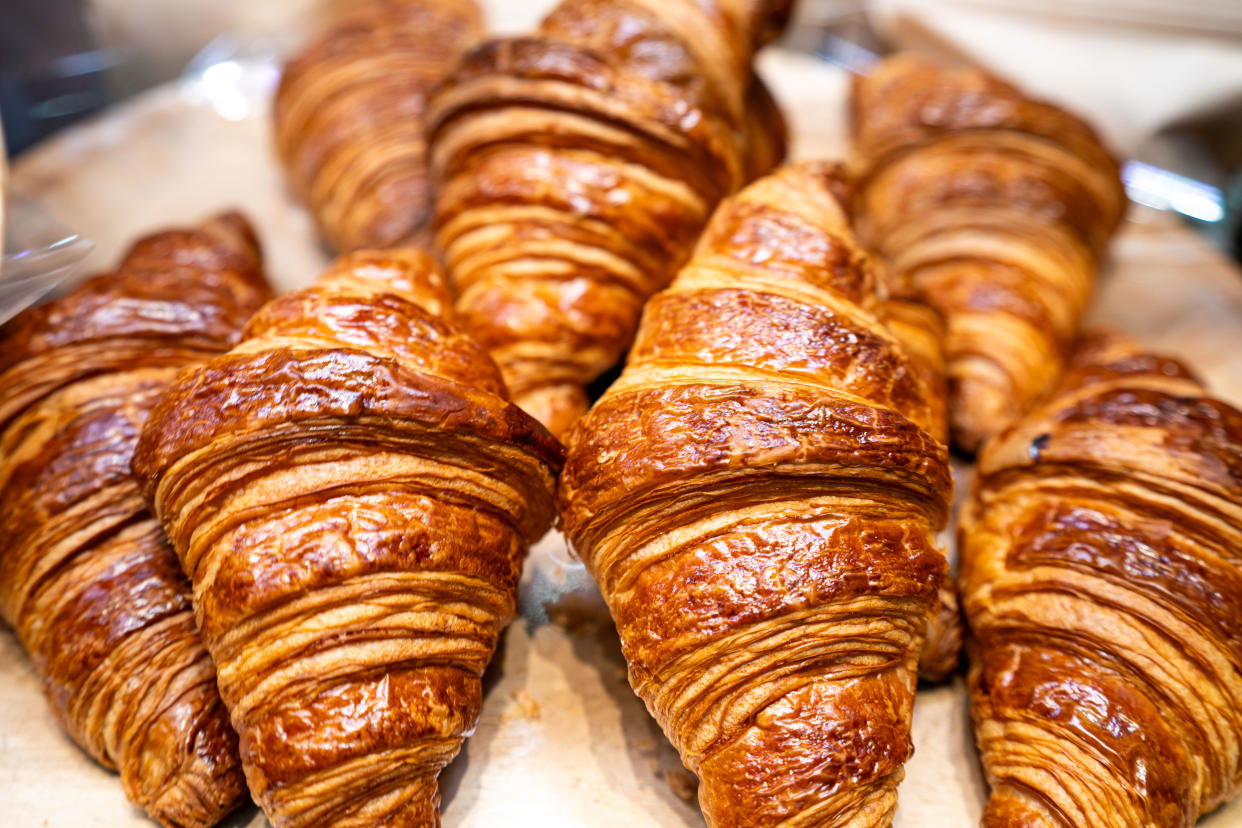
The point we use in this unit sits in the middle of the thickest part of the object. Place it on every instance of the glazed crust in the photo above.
(998, 209)
(352, 498)
(577, 166)
(86, 577)
(756, 498)
(348, 116)
(1102, 585)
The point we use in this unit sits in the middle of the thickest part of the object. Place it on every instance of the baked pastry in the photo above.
(998, 209)
(348, 116)
(576, 167)
(1102, 582)
(352, 498)
(756, 497)
(87, 579)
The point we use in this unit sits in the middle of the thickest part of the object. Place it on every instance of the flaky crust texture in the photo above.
(352, 498)
(86, 577)
(1103, 587)
(577, 166)
(756, 497)
(349, 116)
(997, 208)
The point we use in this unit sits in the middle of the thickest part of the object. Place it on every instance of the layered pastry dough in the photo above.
(349, 110)
(87, 579)
(576, 168)
(1103, 584)
(756, 497)
(352, 498)
(997, 208)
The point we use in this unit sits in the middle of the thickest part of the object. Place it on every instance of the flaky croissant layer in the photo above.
(1103, 586)
(87, 579)
(352, 498)
(756, 497)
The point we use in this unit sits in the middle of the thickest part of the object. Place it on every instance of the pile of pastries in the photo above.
(267, 545)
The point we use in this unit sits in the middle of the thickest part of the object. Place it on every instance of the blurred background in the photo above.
(1161, 80)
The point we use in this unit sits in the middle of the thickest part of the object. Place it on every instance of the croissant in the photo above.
(577, 167)
(348, 116)
(1103, 587)
(87, 579)
(352, 497)
(756, 497)
(998, 209)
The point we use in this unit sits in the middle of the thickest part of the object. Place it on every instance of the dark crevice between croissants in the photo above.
(577, 166)
(86, 576)
(756, 497)
(352, 497)
(1101, 581)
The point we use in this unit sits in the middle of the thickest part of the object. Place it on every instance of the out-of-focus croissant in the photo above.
(997, 208)
(577, 167)
(86, 577)
(349, 116)
(756, 498)
(1102, 578)
(352, 497)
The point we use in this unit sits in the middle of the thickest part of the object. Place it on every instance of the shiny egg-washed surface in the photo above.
(756, 498)
(1102, 582)
(86, 577)
(576, 168)
(997, 208)
(352, 498)
(348, 116)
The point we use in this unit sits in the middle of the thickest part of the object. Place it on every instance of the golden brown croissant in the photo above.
(1102, 579)
(576, 168)
(352, 498)
(348, 116)
(756, 497)
(997, 208)
(86, 577)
